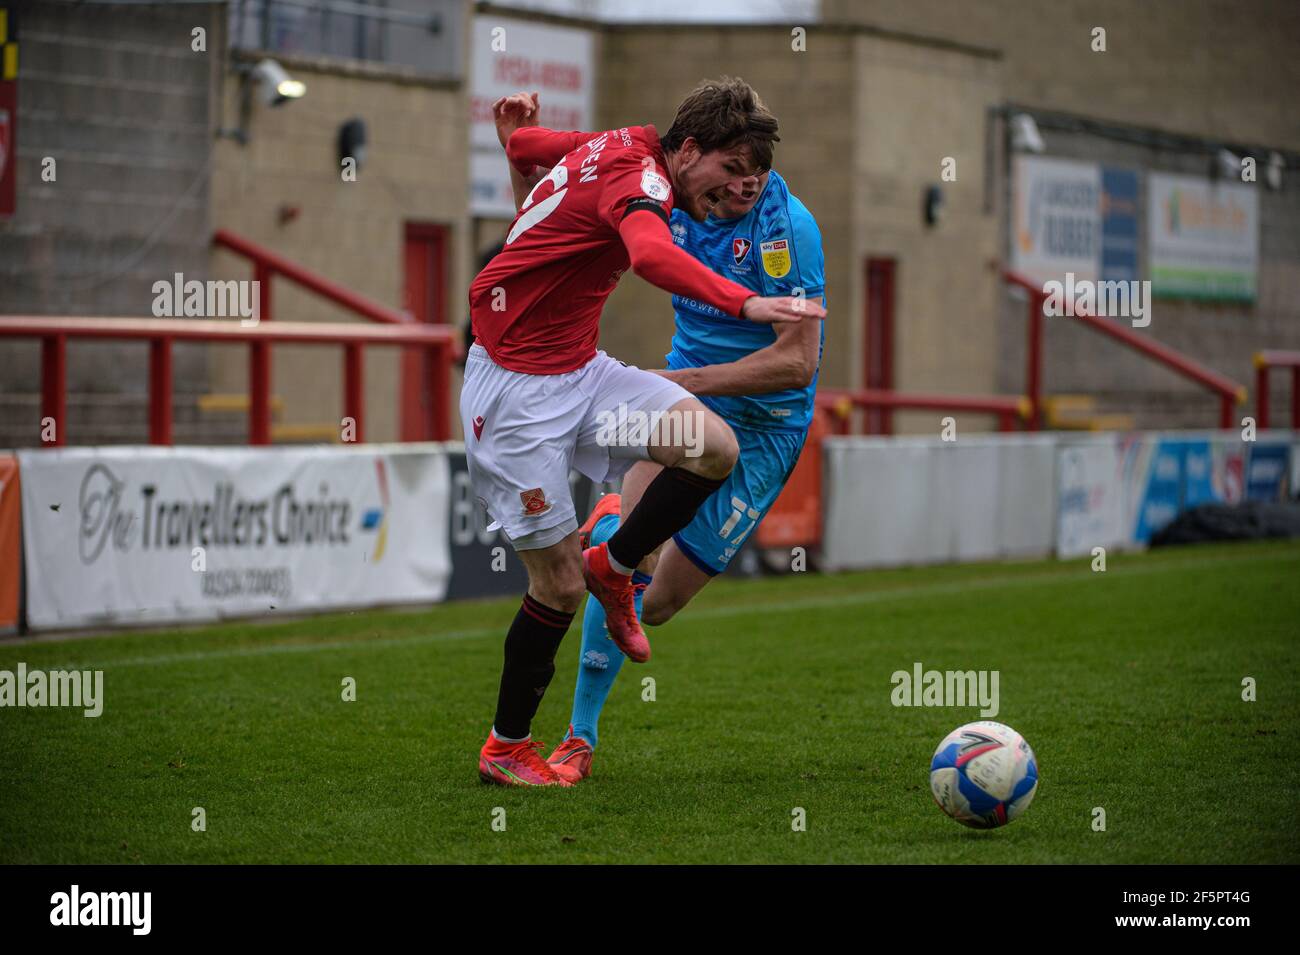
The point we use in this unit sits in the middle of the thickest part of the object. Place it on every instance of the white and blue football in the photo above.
(983, 774)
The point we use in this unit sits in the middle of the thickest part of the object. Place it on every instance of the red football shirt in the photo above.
(536, 306)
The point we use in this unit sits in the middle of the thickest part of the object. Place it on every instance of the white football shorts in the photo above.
(523, 434)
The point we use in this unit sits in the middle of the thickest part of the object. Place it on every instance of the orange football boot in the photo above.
(616, 594)
(609, 504)
(516, 764)
(572, 758)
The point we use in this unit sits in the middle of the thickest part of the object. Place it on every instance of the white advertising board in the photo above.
(510, 56)
(113, 536)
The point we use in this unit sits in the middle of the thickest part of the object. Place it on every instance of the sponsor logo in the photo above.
(117, 517)
(739, 249)
(376, 518)
(478, 427)
(679, 233)
(534, 501)
(776, 257)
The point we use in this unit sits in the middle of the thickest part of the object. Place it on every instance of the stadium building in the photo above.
(910, 133)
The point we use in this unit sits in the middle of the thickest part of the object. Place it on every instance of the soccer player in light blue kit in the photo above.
(760, 379)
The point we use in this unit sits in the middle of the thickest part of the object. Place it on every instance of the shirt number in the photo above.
(531, 214)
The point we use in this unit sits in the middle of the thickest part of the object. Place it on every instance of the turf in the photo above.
(769, 695)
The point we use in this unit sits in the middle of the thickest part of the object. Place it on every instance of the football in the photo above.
(983, 774)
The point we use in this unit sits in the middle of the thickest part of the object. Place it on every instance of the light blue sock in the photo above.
(600, 659)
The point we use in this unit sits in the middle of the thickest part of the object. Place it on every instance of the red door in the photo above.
(878, 358)
(425, 294)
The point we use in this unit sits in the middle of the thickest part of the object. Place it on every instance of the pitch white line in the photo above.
(1078, 575)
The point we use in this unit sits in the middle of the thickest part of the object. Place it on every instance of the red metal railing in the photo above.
(1264, 361)
(432, 383)
(436, 342)
(841, 403)
(1230, 392)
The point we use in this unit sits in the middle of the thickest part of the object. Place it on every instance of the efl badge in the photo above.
(740, 248)
(776, 257)
(654, 185)
(534, 502)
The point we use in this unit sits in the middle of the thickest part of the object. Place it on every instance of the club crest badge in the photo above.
(534, 502)
(740, 249)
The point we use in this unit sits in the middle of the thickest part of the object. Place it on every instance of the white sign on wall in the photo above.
(509, 56)
(152, 535)
(1056, 218)
(1203, 238)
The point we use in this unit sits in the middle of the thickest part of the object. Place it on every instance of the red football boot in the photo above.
(572, 758)
(516, 764)
(615, 593)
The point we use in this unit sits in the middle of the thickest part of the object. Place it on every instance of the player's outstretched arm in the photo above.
(789, 362)
(657, 260)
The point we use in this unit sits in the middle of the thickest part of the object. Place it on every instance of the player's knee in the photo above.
(721, 450)
(714, 452)
(562, 589)
(656, 614)
(564, 596)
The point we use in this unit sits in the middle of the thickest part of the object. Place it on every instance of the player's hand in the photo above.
(511, 112)
(771, 311)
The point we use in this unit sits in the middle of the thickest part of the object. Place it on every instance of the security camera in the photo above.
(1025, 137)
(277, 86)
(1273, 172)
(1228, 164)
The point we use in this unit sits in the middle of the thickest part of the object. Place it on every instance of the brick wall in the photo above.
(352, 232)
(117, 97)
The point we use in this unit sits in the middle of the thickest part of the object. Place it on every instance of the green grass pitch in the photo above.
(770, 694)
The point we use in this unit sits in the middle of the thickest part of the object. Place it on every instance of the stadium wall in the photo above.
(1220, 68)
(1221, 335)
(117, 98)
(416, 171)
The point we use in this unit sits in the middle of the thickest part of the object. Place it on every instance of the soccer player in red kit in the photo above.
(538, 395)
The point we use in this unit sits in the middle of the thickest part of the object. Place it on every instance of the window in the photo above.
(419, 34)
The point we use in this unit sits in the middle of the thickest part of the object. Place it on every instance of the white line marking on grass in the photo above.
(705, 613)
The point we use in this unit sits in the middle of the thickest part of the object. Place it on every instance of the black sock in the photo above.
(531, 644)
(668, 505)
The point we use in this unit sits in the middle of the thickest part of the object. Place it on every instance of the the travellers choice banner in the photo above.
(153, 535)
(1203, 237)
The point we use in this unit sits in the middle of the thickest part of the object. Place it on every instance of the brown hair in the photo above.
(721, 114)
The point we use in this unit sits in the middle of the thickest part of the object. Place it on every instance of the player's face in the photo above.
(740, 197)
(706, 179)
